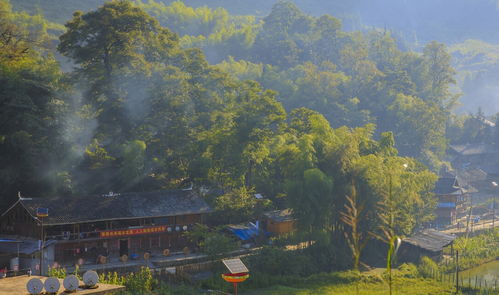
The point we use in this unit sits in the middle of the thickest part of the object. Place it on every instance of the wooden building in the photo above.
(280, 221)
(429, 243)
(451, 198)
(472, 155)
(108, 225)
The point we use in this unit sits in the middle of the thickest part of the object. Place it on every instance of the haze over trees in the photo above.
(292, 106)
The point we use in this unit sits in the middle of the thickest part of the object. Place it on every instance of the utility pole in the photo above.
(40, 213)
(494, 207)
(457, 271)
(41, 246)
(494, 214)
(469, 217)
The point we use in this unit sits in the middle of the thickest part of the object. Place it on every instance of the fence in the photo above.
(485, 287)
(21, 272)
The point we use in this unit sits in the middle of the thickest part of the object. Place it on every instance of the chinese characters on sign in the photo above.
(131, 232)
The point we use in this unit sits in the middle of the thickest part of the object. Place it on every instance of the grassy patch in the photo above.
(414, 286)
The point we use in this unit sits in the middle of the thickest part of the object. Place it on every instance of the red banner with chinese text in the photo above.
(132, 232)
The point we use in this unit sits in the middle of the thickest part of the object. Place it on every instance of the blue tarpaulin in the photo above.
(446, 205)
(244, 232)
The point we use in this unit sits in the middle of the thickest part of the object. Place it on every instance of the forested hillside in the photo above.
(140, 111)
(342, 116)
(413, 24)
(416, 21)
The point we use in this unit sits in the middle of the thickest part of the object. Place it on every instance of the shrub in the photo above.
(408, 270)
(57, 272)
(140, 282)
(427, 267)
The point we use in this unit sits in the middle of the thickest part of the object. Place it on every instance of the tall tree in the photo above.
(32, 110)
(111, 47)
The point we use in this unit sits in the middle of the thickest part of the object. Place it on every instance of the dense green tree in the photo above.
(32, 113)
(438, 73)
(311, 199)
(238, 143)
(165, 117)
(111, 46)
(275, 43)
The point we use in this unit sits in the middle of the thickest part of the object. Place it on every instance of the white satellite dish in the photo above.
(71, 283)
(90, 278)
(34, 286)
(52, 285)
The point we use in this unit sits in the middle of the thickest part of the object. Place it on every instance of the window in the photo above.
(161, 220)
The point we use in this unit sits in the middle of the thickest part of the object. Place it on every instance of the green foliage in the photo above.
(406, 281)
(408, 270)
(112, 278)
(238, 205)
(154, 115)
(241, 69)
(277, 262)
(427, 267)
(474, 251)
(140, 282)
(31, 108)
(57, 272)
(211, 241)
(311, 200)
(165, 289)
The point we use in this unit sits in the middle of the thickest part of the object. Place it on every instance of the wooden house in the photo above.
(110, 225)
(451, 198)
(472, 155)
(429, 243)
(280, 221)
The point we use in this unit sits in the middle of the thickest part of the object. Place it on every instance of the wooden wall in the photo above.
(18, 222)
(280, 227)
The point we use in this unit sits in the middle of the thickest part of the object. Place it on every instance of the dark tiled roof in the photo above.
(446, 186)
(491, 169)
(431, 240)
(280, 215)
(67, 210)
(474, 149)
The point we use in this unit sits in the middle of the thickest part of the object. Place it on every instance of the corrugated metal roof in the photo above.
(68, 210)
(280, 215)
(431, 240)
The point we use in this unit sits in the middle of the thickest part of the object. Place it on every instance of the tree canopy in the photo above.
(320, 120)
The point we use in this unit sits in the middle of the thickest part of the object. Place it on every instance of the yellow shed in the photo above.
(280, 221)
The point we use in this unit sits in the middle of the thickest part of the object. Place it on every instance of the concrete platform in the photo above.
(17, 286)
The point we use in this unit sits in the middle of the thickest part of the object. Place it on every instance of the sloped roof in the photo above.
(470, 175)
(486, 121)
(280, 215)
(446, 186)
(68, 210)
(491, 168)
(431, 240)
(473, 149)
